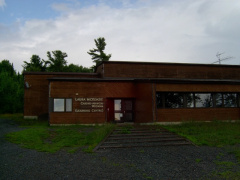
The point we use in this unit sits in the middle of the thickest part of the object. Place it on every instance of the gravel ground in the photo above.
(185, 162)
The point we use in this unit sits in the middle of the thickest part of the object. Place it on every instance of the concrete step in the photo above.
(140, 134)
(144, 140)
(142, 137)
(145, 145)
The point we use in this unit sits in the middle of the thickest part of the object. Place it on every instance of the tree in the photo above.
(77, 68)
(6, 66)
(11, 89)
(35, 65)
(56, 63)
(98, 54)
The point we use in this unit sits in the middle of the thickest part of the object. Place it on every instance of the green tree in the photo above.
(56, 63)
(98, 54)
(35, 65)
(6, 66)
(11, 89)
(77, 68)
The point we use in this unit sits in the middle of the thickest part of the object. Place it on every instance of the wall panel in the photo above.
(197, 114)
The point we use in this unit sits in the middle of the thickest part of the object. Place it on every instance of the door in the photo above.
(123, 110)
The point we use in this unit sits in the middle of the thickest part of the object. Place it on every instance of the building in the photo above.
(139, 92)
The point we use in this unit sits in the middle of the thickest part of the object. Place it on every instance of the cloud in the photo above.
(2, 3)
(161, 31)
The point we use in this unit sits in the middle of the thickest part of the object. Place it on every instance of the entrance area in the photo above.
(120, 110)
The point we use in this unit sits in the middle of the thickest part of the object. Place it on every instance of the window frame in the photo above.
(65, 105)
(161, 99)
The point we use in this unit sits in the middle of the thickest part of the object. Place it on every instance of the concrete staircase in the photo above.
(130, 136)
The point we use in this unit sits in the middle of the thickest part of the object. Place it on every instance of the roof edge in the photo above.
(59, 73)
(166, 63)
(149, 80)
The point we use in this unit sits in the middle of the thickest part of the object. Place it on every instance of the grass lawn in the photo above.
(215, 134)
(41, 137)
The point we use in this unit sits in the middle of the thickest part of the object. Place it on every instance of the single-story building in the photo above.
(139, 92)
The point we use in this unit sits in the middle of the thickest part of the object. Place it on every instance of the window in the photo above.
(62, 105)
(160, 100)
(58, 105)
(68, 105)
(203, 100)
(173, 100)
(219, 100)
(197, 100)
(230, 99)
(189, 100)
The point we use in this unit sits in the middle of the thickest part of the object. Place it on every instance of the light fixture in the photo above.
(27, 85)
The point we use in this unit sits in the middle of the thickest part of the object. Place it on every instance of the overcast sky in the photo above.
(185, 31)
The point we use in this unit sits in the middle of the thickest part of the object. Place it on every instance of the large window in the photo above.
(203, 100)
(196, 100)
(189, 99)
(173, 100)
(62, 105)
(230, 99)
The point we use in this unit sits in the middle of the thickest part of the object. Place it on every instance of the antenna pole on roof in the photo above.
(222, 59)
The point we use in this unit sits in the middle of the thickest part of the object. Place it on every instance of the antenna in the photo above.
(222, 59)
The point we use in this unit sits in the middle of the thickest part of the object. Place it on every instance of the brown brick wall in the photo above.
(168, 70)
(36, 97)
(87, 90)
(143, 105)
(197, 88)
(197, 114)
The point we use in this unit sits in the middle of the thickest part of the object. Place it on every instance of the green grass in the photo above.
(126, 129)
(217, 133)
(18, 119)
(39, 136)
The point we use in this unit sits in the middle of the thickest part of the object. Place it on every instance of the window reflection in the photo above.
(118, 116)
(190, 100)
(197, 100)
(230, 99)
(117, 104)
(174, 100)
(68, 105)
(62, 105)
(219, 99)
(203, 100)
(58, 105)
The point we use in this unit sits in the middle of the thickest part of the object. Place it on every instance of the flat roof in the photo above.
(148, 80)
(59, 73)
(167, 63)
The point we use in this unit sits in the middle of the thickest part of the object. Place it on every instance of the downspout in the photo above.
(49, 101)
(154, 113)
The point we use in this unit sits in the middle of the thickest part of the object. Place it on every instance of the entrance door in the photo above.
(123, 110)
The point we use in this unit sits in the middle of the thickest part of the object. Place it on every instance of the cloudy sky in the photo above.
(186, 31)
